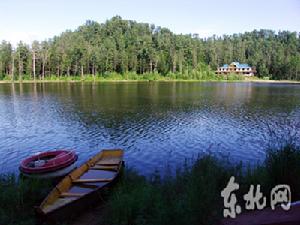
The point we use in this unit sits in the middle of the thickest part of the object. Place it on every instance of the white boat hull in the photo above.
(58, 173)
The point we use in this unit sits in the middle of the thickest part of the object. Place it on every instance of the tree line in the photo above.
(124, 46)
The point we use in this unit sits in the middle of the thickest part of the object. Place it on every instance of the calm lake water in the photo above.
(158, 124)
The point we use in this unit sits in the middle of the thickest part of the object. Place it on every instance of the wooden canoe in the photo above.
(83, 186)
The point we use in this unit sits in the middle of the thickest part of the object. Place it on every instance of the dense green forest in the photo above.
(127, 47)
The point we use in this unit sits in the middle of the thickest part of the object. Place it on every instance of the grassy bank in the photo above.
(143, 78)
(191, 76)
(192, 196)
(18, 197)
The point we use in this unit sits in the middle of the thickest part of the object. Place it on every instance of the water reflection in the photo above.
(156, 123)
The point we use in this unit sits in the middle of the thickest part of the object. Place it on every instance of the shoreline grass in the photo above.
(192, 196)
(137, 81)
(18, 198)
(133, 77)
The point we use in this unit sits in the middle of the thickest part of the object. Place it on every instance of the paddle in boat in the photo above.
(49, 164)
(83, 186)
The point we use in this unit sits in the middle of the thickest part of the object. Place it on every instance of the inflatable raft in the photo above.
(49, 164)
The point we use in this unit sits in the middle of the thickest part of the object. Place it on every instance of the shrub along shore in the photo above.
(144, 78)
(197, 74)
(192, 196)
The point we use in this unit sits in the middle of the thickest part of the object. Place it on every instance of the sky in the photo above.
(29, 20)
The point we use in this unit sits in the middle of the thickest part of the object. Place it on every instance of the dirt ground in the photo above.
(91, 216)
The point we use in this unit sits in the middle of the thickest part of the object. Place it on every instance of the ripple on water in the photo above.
(159, 125)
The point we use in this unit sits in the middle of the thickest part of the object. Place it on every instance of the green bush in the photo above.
(233, 76)
(283, 167)
(18, 198)
(193, 195)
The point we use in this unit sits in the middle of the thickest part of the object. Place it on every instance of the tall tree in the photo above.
(124, 46)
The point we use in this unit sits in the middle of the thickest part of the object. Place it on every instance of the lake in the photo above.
(158, 124)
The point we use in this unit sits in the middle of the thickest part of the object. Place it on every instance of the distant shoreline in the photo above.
(130, 81)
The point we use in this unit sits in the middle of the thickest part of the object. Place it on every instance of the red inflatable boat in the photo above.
(47, 162)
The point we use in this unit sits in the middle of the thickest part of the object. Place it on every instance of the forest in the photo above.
(123, 47)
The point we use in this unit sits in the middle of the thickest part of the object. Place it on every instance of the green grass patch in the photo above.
(191, 196)
(200, 73)
(18, 198)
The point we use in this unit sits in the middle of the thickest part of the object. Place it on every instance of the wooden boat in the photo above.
(83, 186)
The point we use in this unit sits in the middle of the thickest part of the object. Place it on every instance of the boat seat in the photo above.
(68, 194)
(84, 185)
(92, 180)
(99, 167)
(106, 165)
(109, 161)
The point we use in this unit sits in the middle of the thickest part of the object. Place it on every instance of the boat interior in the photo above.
(91, 176)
